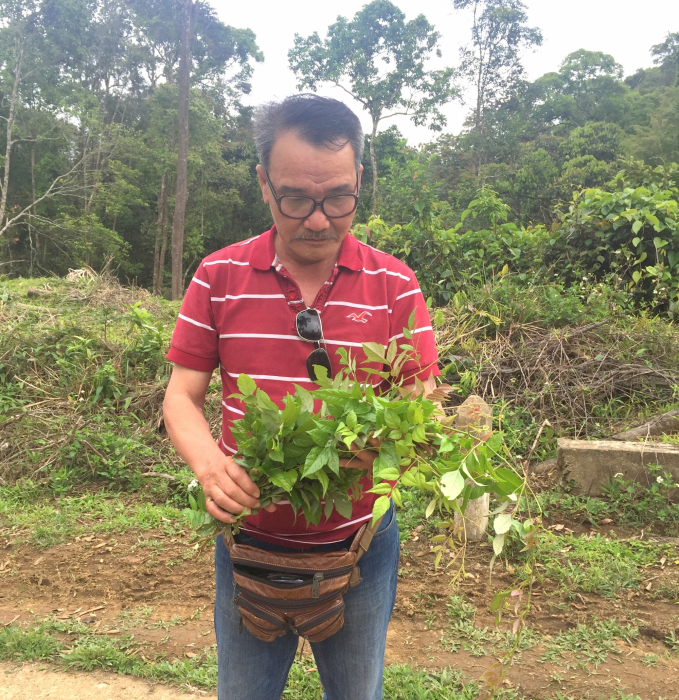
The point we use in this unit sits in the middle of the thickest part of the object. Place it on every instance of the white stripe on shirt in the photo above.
(195, 323)
(273, 336)
(201, 283)
(225, 262)
(387, 272)
(248, 296)
(231, 408)
(356, 306)
(417, 330)
(407, 294)
(254, 238)
(273, 377)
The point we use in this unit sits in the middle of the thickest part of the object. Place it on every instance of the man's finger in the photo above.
(355, 463)
(240, 476)
(225, 501)
(271, 507)
(216, 512)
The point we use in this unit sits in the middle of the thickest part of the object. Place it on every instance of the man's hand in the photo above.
(363, 458)
(228, 488)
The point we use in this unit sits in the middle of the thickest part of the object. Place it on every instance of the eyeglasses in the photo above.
(309, 328)
(334, 206)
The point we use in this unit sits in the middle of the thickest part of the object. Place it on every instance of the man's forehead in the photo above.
(292, 157)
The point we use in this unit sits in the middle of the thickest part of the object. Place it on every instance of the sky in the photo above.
(622, 28)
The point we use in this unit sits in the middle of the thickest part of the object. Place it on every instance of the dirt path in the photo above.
(35, 681)
(160, 590)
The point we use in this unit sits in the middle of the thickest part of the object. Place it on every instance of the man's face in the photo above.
(300, 168)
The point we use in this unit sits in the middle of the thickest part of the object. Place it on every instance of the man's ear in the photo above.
(360, 173)
(263, 185)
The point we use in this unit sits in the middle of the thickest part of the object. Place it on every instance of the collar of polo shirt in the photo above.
(263, 253)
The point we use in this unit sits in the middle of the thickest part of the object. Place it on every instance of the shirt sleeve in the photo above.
(410, 312)
(195, 341)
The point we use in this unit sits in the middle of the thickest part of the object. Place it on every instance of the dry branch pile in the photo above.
(588, 380)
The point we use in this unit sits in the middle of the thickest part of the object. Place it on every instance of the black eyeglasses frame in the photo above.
(317, 203)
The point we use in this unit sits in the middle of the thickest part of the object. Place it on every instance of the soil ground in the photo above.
(36, 681)
(161, 590)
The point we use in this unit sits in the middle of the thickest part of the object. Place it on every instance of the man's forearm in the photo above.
(190, 433)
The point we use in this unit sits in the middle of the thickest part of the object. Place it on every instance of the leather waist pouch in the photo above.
(302, 593)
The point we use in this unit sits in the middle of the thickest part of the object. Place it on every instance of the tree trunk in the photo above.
(373, 163)
(34, 247)
(161, 239)
(182, 153)
(14, 99)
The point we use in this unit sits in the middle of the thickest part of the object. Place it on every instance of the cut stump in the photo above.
(476, 416)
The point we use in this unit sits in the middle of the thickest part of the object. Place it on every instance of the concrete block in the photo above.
(590, 464)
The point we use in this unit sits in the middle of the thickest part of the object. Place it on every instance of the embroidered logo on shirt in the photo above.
(360, 318)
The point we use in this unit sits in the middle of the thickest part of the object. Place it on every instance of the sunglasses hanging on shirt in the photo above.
(309, 328)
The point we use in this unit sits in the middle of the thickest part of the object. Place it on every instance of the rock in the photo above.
(660, 425)
(590, 465)
(545, 467)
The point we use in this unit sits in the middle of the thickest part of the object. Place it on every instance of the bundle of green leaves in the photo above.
(294, 452)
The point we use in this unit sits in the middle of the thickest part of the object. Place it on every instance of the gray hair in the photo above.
(320, 121)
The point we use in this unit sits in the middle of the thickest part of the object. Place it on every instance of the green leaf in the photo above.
(343, 506)
(316, 459)
(323, 478)
(396, 497)
(284, 479)
(452, 484)
(419, 434)
(246, 385)
(374, 352)
(388, 474)
(430, 508)
(381, 506)
(636, 276)
(502, 523)
(498, 599)
(392, 419)
(381, 489)
(636, 227)
(498, 544)
(636, 241)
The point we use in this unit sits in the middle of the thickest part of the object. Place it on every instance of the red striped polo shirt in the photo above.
(239, 314)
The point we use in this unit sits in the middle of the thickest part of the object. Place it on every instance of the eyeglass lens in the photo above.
(318, 357)
(309, 325)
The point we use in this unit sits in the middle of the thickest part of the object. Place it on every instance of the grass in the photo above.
(595, 564)
(50, 521)
(624, 503)
(71, 645)
(589, 644)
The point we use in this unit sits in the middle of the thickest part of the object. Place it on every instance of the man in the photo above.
(248, 310)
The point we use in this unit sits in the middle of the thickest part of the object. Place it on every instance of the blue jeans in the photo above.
(350, 662)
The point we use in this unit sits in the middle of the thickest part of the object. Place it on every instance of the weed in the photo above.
(459, 609)
(650, 660)
(589, 644)
(592, 563)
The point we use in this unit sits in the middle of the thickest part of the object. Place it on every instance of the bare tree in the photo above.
(182, 192)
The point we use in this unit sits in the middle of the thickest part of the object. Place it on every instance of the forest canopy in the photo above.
(89, 100)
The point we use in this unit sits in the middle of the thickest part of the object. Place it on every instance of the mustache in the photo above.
(317, 237)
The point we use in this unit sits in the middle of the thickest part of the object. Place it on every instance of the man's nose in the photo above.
(317, 221)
